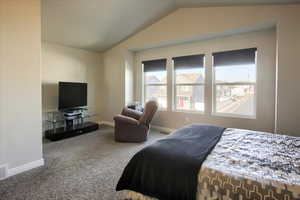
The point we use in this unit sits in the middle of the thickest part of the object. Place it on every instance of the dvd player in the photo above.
(73, 113)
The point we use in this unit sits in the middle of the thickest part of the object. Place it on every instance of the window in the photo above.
(189, 83)
(235, 82)
(155, 81)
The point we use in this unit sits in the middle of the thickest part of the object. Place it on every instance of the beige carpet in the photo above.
(85, 167)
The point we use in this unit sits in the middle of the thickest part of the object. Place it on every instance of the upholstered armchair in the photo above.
(133, 125)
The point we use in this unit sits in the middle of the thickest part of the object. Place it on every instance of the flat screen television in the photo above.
(71, 95)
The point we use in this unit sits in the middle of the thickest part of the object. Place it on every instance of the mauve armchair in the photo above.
(133, 125)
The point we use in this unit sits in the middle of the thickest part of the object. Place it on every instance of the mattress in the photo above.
(248, 165)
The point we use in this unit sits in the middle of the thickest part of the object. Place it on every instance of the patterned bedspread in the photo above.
(248, 165)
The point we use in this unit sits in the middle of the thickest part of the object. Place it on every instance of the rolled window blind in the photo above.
(235, 57)
(155, 65)
(188, 62)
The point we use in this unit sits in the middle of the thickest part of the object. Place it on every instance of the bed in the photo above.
(247, 164)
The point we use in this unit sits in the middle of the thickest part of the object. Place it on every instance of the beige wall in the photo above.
(61, 63)
(113, 88)
(20, 82)
(187, 23)
(2, 51)
(265, 41)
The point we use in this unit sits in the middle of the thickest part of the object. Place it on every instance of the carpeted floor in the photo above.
(86, 167)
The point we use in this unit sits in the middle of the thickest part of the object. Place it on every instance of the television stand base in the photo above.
(67, 132)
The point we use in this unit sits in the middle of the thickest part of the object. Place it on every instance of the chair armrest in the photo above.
(126, 119)
(132, 113)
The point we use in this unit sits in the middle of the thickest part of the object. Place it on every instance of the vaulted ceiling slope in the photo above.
(100, 24)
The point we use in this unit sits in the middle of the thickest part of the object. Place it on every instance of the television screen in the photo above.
(71, 95)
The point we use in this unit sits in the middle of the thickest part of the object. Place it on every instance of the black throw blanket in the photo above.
(168, 169)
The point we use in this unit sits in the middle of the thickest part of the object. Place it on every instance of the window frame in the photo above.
(214, 90)
(174, 88)
(144, 86)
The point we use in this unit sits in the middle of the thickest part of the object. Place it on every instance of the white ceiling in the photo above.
(100, 24)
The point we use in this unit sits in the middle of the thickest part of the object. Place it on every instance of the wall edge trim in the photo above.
(25, 167)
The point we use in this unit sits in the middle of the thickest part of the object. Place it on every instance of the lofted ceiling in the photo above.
(100, 24)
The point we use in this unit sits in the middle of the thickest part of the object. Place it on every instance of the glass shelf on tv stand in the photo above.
(57, 118)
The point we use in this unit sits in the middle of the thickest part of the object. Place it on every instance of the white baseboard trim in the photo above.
(25, 167)
(3, 171)
(162, 129)
(112, 124)
(156, 128)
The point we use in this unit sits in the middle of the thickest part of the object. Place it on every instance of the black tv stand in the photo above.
(74, 125)
(67, 132)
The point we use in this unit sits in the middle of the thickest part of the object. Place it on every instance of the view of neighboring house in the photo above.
(234, 99)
